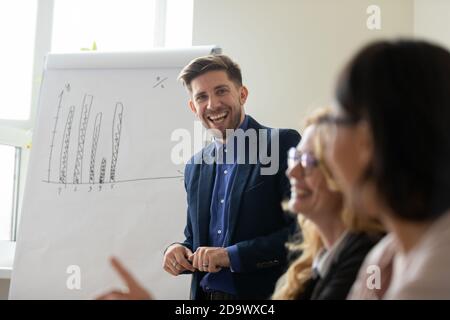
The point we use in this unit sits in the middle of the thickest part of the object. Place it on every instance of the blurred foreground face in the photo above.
(349, 153)
(310, 193)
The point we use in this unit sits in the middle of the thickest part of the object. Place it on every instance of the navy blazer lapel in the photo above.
(205, 188)
(243, 172)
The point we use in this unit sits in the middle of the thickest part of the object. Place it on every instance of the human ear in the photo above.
(243, 94)
(192, 107)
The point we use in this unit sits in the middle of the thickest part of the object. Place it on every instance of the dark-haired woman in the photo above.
(390, 152)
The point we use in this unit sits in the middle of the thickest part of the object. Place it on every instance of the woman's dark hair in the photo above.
(402, 89)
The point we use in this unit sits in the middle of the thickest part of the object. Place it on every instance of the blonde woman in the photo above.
(335, 241)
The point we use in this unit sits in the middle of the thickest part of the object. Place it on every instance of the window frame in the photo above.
(18, 133)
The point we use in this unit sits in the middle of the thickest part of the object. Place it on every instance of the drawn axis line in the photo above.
(114, 182)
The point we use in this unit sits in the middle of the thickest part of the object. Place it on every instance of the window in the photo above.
(31, 28)
(125, 25)
(17, 31)
(180, 14)
(18, 20)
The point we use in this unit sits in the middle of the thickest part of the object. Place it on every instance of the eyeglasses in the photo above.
(306, 159)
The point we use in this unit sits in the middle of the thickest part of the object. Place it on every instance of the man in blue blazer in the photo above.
(236, 229)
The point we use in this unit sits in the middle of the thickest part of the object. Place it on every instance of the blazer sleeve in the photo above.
(270, 251)
(188, 241)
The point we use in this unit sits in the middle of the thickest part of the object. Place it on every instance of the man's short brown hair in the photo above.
(215, 62)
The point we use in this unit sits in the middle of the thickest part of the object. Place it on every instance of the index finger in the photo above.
(113, 295)
(126, 276)
(184, 263)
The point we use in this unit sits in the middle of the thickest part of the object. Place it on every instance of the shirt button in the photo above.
(222, 200)
(219, 231)
(225, 172)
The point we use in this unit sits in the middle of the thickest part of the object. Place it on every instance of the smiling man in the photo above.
(217, 101)
(236, 229)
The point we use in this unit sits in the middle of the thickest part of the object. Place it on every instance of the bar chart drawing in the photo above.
(90, 135)
(102, 171)
(95, 137)
(84, 118)
(72, 149)
(64, 157)
(116, 131)
(52, 144)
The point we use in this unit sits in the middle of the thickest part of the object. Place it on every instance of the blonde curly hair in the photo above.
(292, 284)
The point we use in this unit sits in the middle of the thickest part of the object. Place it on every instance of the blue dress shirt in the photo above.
(218, 225)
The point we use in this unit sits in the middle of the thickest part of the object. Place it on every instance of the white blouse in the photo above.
(422, 273)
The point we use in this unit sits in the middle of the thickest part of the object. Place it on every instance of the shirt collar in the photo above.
(322, 262)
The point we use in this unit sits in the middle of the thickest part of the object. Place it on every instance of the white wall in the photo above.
(432, 20)
(291, 50)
